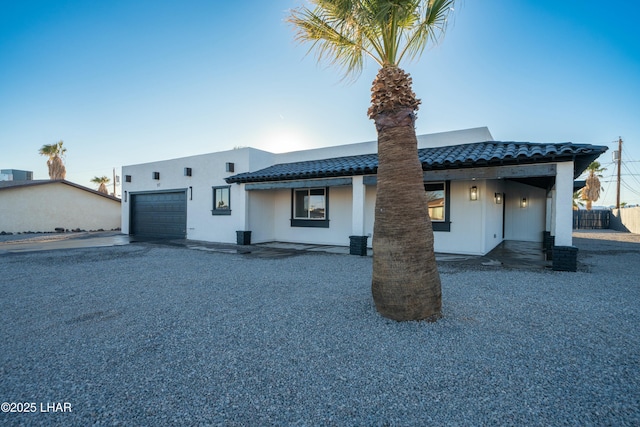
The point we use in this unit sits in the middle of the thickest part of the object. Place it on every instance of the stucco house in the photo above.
(44, 205)
(481, 192)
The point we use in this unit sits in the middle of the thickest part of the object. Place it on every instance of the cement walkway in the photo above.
(509, 254)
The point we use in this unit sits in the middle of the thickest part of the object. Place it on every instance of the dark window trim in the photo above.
(318, 223)
(215, 211)
(446, 224)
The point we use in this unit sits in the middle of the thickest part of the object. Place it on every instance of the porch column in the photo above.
(564, 253)
(547, 237)
(243, 237)
(562, 226)
(357, 240)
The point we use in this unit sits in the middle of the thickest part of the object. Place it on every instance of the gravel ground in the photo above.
(155, 335)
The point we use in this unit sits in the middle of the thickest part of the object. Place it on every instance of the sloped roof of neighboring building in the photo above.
(480, 154)
(5, 185)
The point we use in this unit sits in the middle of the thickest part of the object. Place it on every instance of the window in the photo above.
(310, 207)
(435, 200)
(221, 201)
(438, 202)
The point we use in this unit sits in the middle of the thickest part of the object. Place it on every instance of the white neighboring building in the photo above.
(481, 193)
(44, 205)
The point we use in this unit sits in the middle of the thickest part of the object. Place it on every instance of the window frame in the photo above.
(444, 224)
(221, 211)
(310, 222)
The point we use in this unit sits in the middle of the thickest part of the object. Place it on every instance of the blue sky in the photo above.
(125, 82)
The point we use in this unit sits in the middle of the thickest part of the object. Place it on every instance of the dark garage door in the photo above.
(159, 215)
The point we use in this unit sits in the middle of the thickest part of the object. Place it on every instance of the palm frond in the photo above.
(345, 32)
(332, 37)
(430, 27)
(100, 180)
(53, 150)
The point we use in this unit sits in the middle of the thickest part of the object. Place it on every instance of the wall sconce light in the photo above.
(473, 193)
(523, 202)
(498, 198)
(127, 178)
(188, 171)
(156, 175)
(229, 167)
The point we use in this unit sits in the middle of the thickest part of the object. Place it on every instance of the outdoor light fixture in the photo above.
(473, 193)
(498, 198)
(188, 171)
(156, 175)
(125, 196)
(229, 167)
(523, 202)
(190, 193)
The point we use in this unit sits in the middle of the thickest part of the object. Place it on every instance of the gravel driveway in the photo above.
(155, 335)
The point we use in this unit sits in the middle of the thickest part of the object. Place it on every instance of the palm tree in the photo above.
(592, 188)
(55, 152)
(102, 181)
(405, 282)
(577, 200)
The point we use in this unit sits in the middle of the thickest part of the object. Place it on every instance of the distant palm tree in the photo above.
(405, 282)
(591, 190)
(577, 200)
(55, 152)
(102, 181)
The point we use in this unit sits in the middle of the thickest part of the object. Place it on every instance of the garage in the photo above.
(159, 215)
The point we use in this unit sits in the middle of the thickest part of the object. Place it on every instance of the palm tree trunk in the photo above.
(56, 168)
(405, 283)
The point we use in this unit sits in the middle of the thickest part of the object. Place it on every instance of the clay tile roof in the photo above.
(480, 154)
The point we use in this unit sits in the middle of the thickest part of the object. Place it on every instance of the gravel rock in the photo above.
(154, 335)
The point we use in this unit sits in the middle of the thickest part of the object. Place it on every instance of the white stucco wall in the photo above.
(465, 236)
(476, 226)
(369, 212)
(493, 215)
(45, 207)
(528, 223)
(208, 170)
(339, 219)
(262, 216)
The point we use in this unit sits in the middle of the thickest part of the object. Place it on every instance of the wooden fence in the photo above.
(591, 219)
